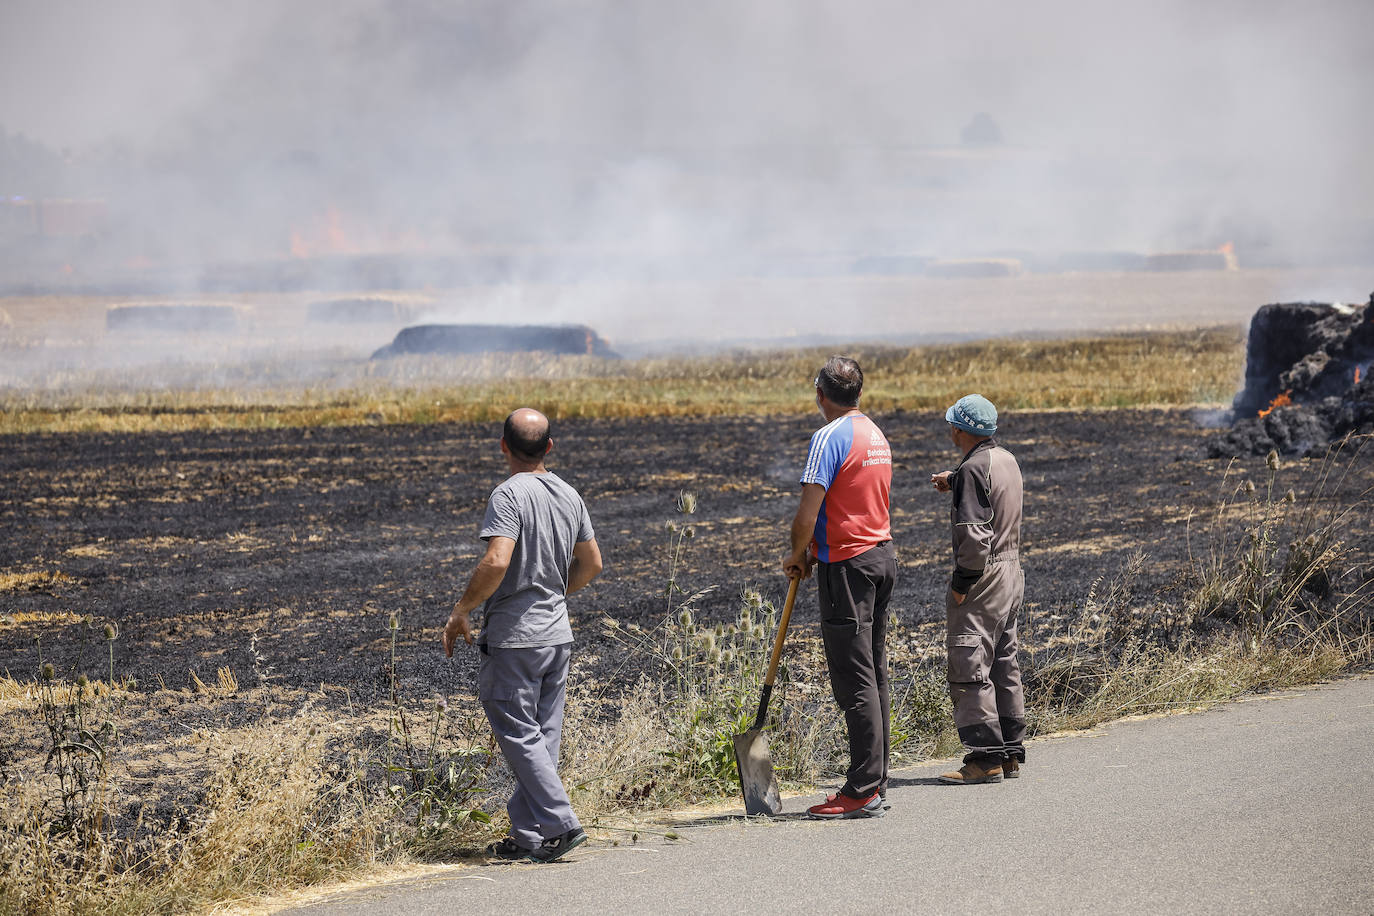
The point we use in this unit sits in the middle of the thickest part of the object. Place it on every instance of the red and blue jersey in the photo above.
(851, 459)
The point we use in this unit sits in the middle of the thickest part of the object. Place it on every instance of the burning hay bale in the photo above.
(975, 268)
(454, 339)
(1307, 381)
(355, 311)
(171, 318)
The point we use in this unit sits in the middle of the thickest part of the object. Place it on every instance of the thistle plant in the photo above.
(677, 536)
(77, 754)
(719, 670)
(398, 730)
(111, 633)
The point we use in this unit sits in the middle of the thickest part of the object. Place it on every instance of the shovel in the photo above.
(755, 767)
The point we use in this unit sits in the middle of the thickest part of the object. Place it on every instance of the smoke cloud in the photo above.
(605, 137)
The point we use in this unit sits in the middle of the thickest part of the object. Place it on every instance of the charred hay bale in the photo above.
(1307, 383)
(1354, 412)
(974, 268)
(1292, 430)
(354, 311)
(1190, 260)
(1310, 350)
(459, 339)
(171, 318)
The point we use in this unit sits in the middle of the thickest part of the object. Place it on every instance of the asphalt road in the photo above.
(1261, 806)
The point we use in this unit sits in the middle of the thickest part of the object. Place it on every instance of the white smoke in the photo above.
(619, 140)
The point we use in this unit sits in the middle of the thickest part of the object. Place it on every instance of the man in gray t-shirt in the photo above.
(547, 520)
(540, 549)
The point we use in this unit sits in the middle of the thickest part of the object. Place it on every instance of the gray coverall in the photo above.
(984, 675)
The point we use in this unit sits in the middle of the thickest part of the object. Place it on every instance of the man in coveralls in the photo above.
(540, 549)
(985, 595)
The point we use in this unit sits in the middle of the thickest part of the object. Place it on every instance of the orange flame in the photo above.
(335, 231)
(326, 235)
(1357, 375)
(335, 238)
(1228, 253)
(1281, 400)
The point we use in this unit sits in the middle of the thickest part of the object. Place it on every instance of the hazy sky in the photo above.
(1130, 124)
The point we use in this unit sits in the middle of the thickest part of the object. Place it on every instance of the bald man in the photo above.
(540, 549)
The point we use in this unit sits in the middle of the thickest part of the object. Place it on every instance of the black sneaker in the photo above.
(508, 849)
(554, 848)
(882, 793)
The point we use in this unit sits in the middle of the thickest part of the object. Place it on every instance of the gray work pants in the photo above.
(522, 691)
(984, 675)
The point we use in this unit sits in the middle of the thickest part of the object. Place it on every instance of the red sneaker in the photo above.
(840, 805)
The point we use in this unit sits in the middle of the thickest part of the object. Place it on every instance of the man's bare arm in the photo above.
(486, 579)
(586, 564)
(797, 563)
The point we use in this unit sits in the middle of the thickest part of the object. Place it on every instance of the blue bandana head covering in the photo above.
(973, 413)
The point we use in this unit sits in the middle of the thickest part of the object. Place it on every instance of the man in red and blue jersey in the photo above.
(843, 526)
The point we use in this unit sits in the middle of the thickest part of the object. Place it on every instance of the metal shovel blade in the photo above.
(755, 766)
(761, 795)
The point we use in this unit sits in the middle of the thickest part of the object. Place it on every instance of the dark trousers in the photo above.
(853, 603)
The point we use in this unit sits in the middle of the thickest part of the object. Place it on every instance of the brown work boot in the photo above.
(1011, 768)
(971, 774)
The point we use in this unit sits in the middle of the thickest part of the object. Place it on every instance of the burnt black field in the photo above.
(283, 554)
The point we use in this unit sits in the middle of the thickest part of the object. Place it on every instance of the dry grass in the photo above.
(1166, 368)
(269, 818)
(1085, 684)
(42, 618)
(280, 804)
(307, 800)
(32, 581)
(1275, 598)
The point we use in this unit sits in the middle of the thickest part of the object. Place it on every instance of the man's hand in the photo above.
(941, 481)
(797, 565)
(486, 578)
(458, 625)
(958, 597)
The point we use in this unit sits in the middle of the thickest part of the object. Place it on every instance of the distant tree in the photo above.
(981, 131)
(27, 168)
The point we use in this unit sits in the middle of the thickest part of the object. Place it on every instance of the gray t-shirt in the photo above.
(545, 517)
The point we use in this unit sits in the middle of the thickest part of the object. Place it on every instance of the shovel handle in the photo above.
(777, 653)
